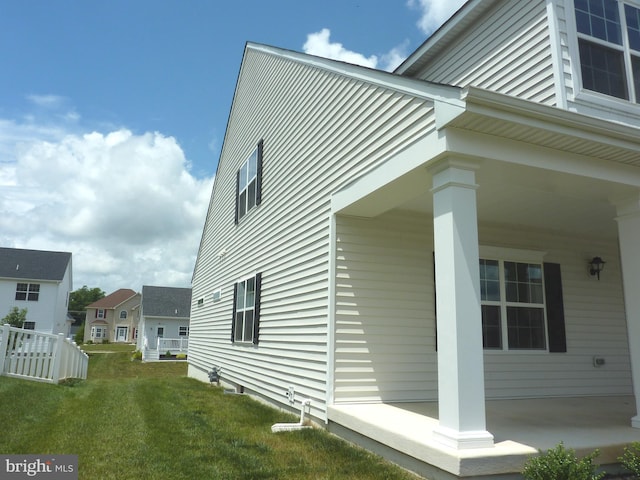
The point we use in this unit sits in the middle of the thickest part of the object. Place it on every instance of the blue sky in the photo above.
(112, 115)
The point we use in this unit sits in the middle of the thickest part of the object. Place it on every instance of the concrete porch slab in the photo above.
(520, 427)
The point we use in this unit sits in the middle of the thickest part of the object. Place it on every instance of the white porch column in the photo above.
(461, 397)
(629, 238)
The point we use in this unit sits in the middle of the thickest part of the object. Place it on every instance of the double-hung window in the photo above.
(246, 310)
(609, 46)
(513, 305)
(28, 291)
(249, 183)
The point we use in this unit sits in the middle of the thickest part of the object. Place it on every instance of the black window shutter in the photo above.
(555, 307)
(233, 318)
(259, 174)
(435, 310)
(256, 311)
(237, 196)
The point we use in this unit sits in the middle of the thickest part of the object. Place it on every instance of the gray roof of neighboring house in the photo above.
(33, 264)
(166, 301)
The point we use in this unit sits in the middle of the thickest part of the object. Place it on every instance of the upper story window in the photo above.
(249, 183)
(123, 314)
(100, 313)
(513, 306)
(28, 291)
(609, 46)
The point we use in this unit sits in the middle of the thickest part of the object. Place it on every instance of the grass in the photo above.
(132, 420)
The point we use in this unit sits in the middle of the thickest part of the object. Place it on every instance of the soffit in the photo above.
(549, 136)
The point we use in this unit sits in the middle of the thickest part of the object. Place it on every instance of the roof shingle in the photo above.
(166, 301)
(113, 299)
(33, 264)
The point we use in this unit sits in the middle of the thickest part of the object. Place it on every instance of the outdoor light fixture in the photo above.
(596, 265)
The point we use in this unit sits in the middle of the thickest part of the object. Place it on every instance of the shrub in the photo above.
(137, 355)
(181, 356)
(79, 336)
(561, 464)
(105, 341)
(631, 458)
(168, 354)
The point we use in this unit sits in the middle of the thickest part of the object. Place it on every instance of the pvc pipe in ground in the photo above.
(292, 427)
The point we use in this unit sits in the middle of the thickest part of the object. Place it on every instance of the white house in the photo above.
(419, 254)
(40, 282)
(164, 321)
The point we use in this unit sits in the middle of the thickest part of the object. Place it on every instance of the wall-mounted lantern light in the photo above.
(596, 265)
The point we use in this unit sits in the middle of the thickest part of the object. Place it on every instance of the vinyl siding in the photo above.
(385, 335)
(321, 130)
(385, 318)
(507, 51)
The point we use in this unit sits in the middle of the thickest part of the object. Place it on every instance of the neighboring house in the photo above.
(164, 321)
(506, 152)
(39, 281)
(113, 318)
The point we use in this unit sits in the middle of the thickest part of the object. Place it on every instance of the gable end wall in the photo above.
(508, 51)
(321, 130)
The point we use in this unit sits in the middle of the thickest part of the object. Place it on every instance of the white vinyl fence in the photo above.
(39, 356)
(174, 345)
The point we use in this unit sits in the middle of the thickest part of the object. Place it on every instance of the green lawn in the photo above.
(132, 420)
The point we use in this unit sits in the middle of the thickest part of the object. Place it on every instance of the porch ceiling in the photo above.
(528, 197)
(538, 167)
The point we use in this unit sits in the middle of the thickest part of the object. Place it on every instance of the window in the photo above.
(609, 47)
(200, 302)
(512, 303)
(98, 332)
(183, 331)
(246, 310)
(100, 313)
(29, 325)
(249, 183)
(123, 314)
(28, 291)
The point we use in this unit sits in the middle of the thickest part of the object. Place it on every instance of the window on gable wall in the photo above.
(123, 314)
(28, 291)
(246, 310)
(609, 46)
(249, 183)
(521, 306)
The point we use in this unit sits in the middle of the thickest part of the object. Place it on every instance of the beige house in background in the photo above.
(113, 318)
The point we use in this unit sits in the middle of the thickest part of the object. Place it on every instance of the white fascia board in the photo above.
(409, 86)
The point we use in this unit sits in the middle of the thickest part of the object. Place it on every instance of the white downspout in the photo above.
(290, 427)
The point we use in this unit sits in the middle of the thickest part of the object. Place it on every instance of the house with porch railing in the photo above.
(164, 322)
(38, 356)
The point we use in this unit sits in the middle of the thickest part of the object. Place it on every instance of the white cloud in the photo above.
(319, 44)
(46, 101)
(125, 205)
(434, 12)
